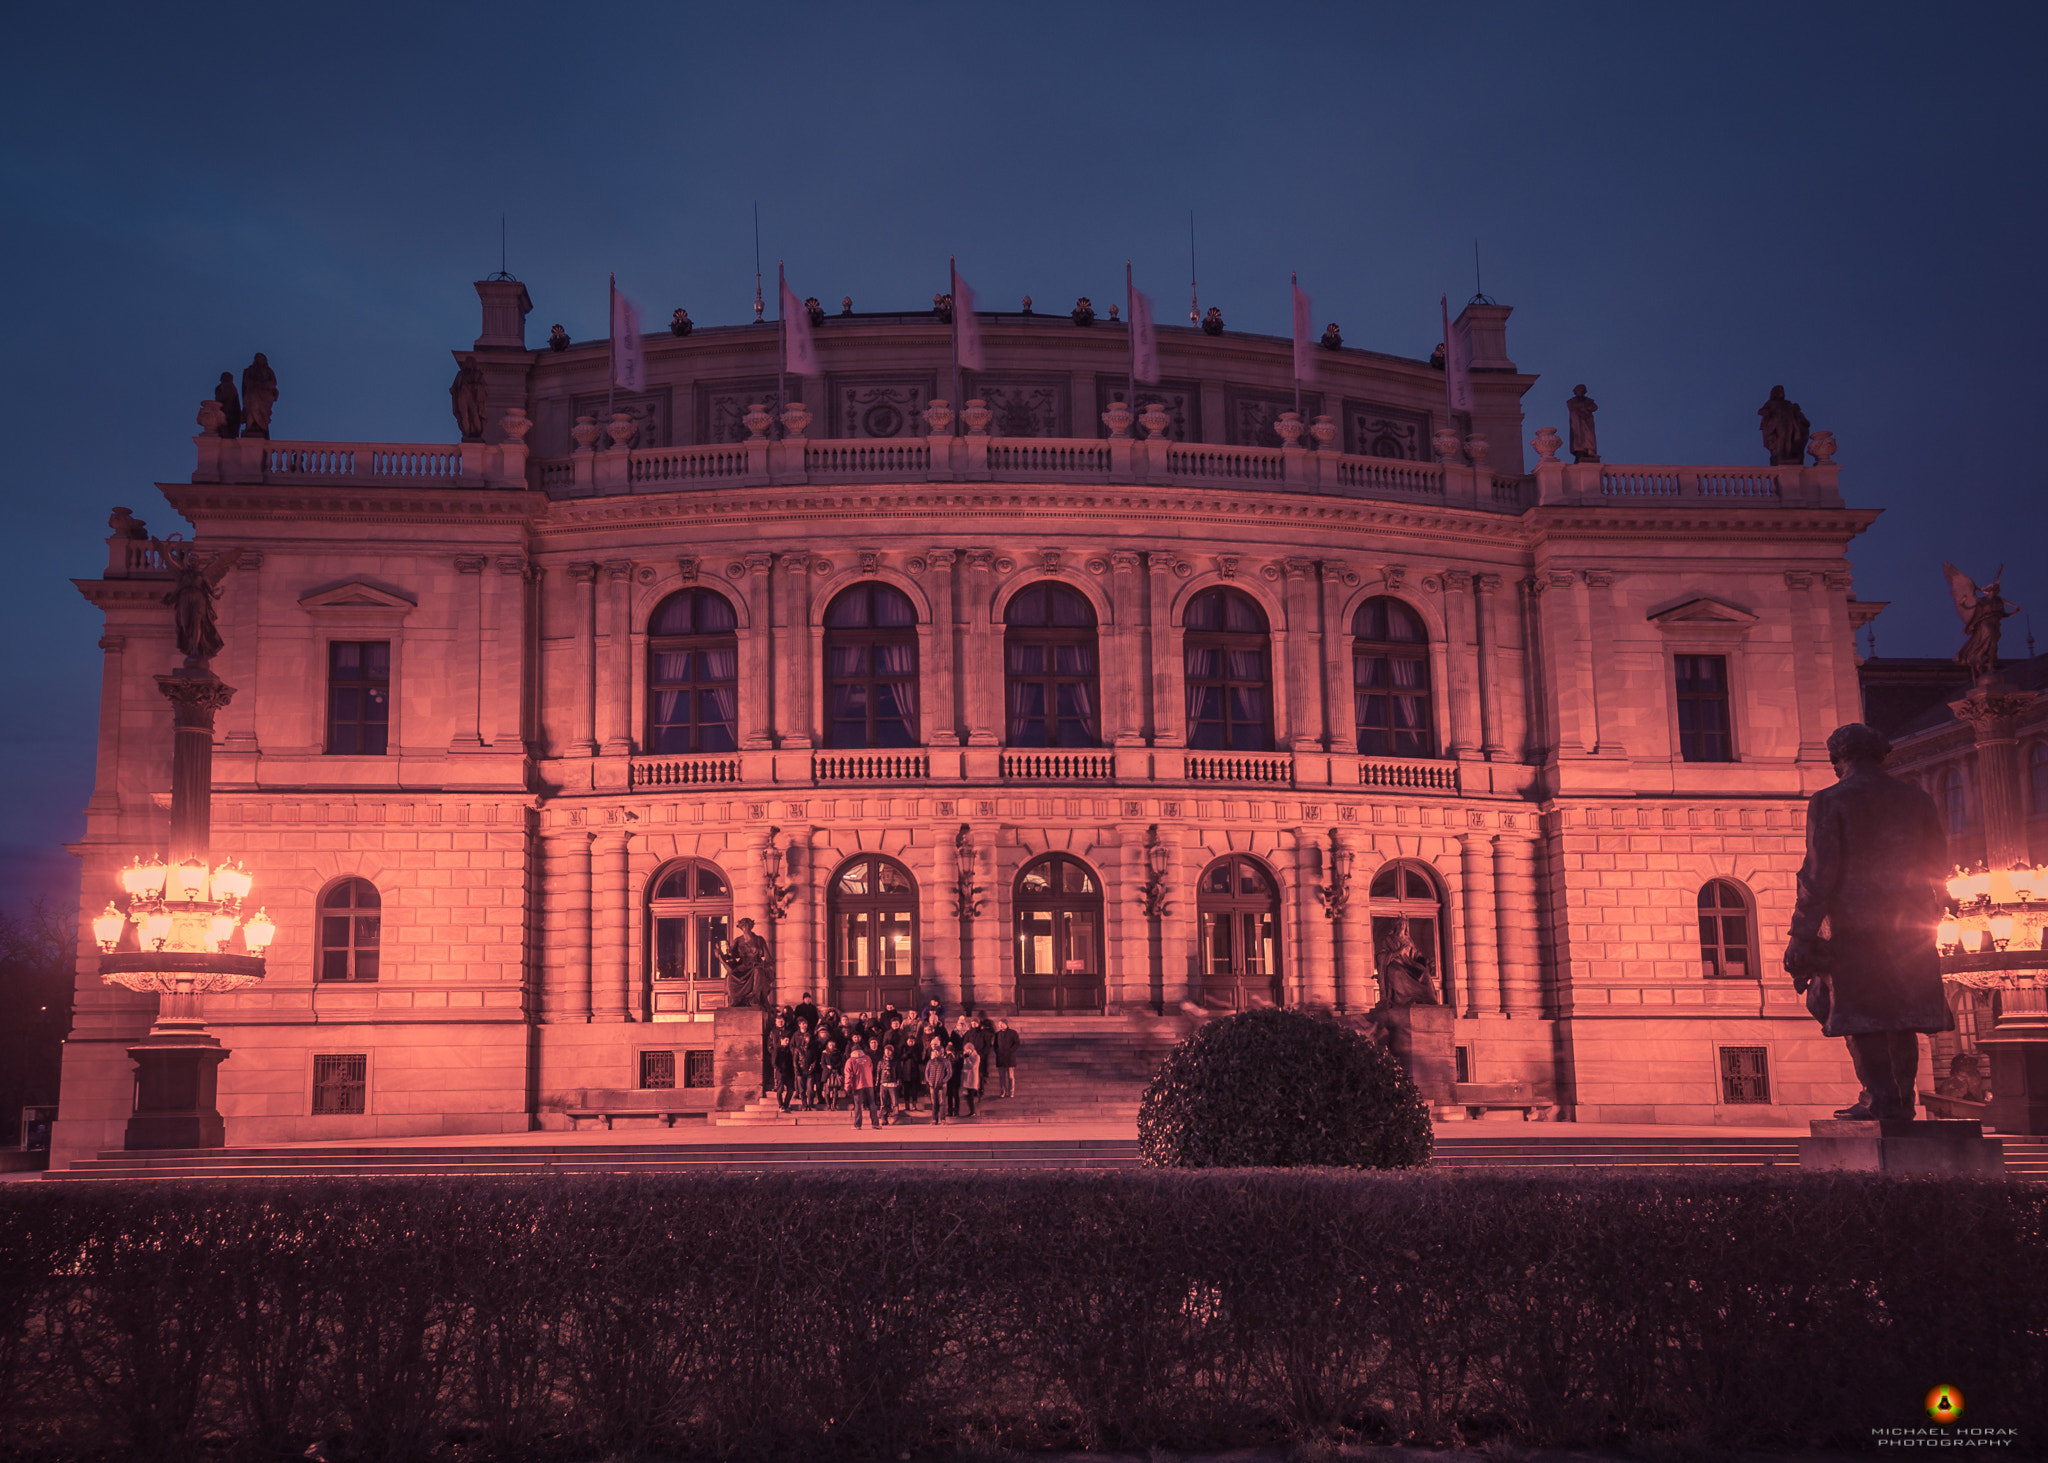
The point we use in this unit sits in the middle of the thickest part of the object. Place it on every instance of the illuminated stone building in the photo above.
(1045, 710)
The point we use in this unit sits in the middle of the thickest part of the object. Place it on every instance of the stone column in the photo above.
(756, 713)
(609, 918)
(565, 926)
(506, 645)
(1169, 670)
(1809, 635)
(1123, 666)
(107, 765)
(245, 647)
(1304, 659)
(1514, 886)
(1567, 651)
(1318, 982)
(1537, 739)
(615, 675)
(1482, 949)
(466, 660)
(1131, 954)
(1178, 929)
(1337, 701)
(1598, 614)
(1993, 712)
(1491, 744)
(984, 653)
(793, 653)
(583, 670)
(1357, 988)
(1458, 657)
(942, 707)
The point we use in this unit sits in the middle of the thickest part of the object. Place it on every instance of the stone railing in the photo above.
(1595, 482)
(871, 767)
(1057, 766)
(1261, 770)
(1399, 774)
(360, 464)
(702, 771)
(134, 558)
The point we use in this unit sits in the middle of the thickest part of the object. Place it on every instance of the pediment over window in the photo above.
(357, 597)
(1703, 612)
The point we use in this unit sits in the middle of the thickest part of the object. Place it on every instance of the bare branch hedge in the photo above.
(863, 1315)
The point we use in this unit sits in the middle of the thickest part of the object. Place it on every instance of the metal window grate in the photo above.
(658, 1069)
(697, 1069)
(340, 1083)
(1745, 1074)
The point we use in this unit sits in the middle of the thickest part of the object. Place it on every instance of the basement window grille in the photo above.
(1745, 1074)
(340, 1083)
(696, 1069)
(658, 1069)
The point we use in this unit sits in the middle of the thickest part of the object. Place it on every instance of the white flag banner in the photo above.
(1144, 339)
(966, 329)
(1304, 344)
(1457, 363)
(800, 354)
(629, 366)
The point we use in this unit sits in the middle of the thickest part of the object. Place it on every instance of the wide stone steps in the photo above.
(2026, 1159)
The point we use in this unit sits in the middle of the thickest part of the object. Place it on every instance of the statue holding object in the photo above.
(749, 965)
(469, 395)
(191, 598)
(1983, 613)
(1785, 429)
(1585, 444)
(259, 395)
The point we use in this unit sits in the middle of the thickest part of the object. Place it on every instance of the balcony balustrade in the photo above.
(1056, 766)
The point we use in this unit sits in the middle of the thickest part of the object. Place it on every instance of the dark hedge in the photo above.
(864, 1315)
(1282, 1089)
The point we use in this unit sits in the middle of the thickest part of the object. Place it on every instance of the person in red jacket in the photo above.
(860, 1086)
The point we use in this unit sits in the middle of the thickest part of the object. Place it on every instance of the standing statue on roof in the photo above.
(469, 395)
(259, 395)
(1785, 429)
(1983, 613)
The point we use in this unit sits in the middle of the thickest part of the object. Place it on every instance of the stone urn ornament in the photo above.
(977, 416)
(1546, 443)
(1289, 428)
(515, 424)
(1822, 446)
(939, 417)
(796, 417)
(1444, 442)
(585, 433)
(211, 415)
(758, 420)
(1324, 431)
(1155, 420)
(622, 428)
(1118, 419)
(1476, 449)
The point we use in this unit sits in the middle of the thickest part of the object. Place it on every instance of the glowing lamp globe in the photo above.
(259, 932)
(107, 928)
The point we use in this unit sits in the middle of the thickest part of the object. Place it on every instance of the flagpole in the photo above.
(1194, 295)
(611, 316)
(953, 293)
(781, 343)
(1294, 286)
(1450, 387)
(1131, 355)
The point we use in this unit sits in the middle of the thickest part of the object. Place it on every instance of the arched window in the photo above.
(1390, 680)
(1049, 658)
(1725, 928)
(2037, 777)
(871, 668)
(1238, 906)
(690, 914)
(693, 674)
(873, 908)
(1955, 804)
(1407, 934)
(1059, 936)
(1230, 695)
(351, 919)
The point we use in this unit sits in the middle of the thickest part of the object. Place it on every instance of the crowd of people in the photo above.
(890, 1065)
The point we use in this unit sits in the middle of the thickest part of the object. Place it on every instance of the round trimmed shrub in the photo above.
(1282, 1089)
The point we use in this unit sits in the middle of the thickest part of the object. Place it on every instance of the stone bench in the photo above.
(1479, 1098)
(664, 1103)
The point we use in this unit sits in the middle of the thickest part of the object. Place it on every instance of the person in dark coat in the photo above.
(1874, 873)
(983, 1037)
(1006, 1060)
(938, 1070)
(785, 1072)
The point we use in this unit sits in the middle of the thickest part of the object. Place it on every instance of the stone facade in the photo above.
(1559, 785)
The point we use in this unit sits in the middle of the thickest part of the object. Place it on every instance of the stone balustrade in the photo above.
(1695, 486)
(367, 464)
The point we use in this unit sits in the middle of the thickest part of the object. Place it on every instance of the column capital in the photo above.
(1486, 583)
(1839, 579)
(583, 573)
(1598, 578)
(113, 644)
(251, 559)
(1459, 580)
(1798, 579)
(1123, 561)
(195, 699)
(1297, 568)
(516, 567)
(981, 561)
(1561, 578)
(943, 559)
(617, 570)
(470, 563)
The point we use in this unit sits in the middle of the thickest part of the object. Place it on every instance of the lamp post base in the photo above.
(177, 1071)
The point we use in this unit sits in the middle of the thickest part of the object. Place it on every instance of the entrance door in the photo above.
(873, 906)
(1239, 908)
(1059, 937)
(691, 913)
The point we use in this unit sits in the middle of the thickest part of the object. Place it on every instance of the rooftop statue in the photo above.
(230, 406)
(1785, 429)
(191, 598)
(1983, 613)
(1212, 323)
(1875, 861)
(259, 395)
(1333, 338)
(469, 394)
(1585, 444)
(558, 339)
(679, 324)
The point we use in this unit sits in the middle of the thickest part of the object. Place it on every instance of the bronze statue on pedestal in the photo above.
(1983, 613)
(191, 598)
(749, 964)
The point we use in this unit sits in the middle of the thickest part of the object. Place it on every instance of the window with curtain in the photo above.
(1229, 688)
(1724, 932)
(1049, 658)
(693, 674)
(1390, 681)
(358, 697)
(870, 668)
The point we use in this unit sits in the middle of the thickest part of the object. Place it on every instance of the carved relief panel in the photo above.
(650, 412)
(1182, 400)
(1035, 406)
(1386, 431)
(880, 406)
(1251, 414)
(722, 406)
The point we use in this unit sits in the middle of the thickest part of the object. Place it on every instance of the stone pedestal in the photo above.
(1928, 1149)
(176, 1084)
(1420, 1037)
(738, 1034)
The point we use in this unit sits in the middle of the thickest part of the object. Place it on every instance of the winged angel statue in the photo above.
(191, 598)
(1983, 613)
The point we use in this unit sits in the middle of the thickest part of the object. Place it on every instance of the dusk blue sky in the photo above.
(1685, 206)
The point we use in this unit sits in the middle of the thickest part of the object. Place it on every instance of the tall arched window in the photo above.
(2037, 777)
(1059, 936)
(1725, 929)
(1407, 934)
(1238, 906)
(351, 923)
(1390, 680)
(872, 904)
(690, 914)
(1955, 805)
(1230, 693)
(1049, 659)
(871, 668)
(693, 674)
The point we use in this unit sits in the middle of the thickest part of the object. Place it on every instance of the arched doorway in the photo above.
(689, 916)
(1407, 933)
(872, 904)
(1238, 905)
(1059, 936)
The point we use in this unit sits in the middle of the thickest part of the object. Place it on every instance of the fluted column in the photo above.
(792, 938)
(1357, 989)
(1598, 612)
(615, 675)
(106, 779)
(583, 666)
(1123, 669)
(505, 650)
(1486, 610)
(1179, 951)
(1337, 660)
(244, 650)
(984, 653)
(1514, 884)
(608, 922)
(1169, 670)
(755, 667)
(1458, 657)
(465, 665)
(1538, 738)
(793, 652)
(1568, 656)
(1132, 955)
(1482, 937)
(565, 927)
(1304, 655)
(1993, 712)
(942, 698)
(1318, 983)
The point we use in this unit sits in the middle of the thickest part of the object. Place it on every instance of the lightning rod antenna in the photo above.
(1194, 296)
(757, 262)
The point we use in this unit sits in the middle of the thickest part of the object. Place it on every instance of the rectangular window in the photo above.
(1703, 722)
(1745, 1074)
(697, 1069)
(1463, 1057)
(358, 697)
(340, 1083)
(658, 1069)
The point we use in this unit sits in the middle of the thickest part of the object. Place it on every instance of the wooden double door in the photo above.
(1059, 937)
